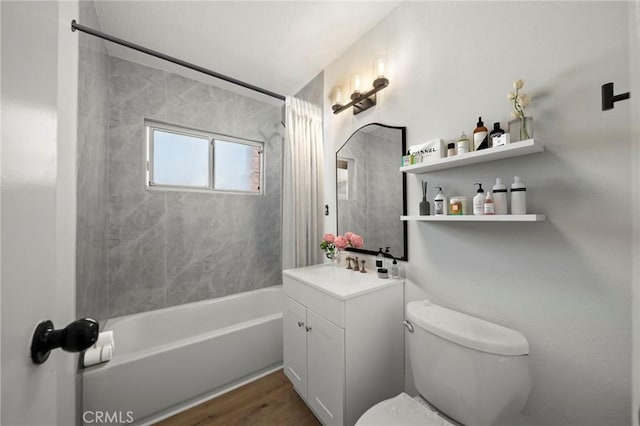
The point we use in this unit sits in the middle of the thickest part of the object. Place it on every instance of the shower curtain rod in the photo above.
(75, 26)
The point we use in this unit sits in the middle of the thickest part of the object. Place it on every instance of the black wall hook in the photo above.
(75, 337)
(608, 98)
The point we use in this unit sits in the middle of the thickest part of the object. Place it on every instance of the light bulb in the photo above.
(356, 83)
(337, 99)
(378, 67)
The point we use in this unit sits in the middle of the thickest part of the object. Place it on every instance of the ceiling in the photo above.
(276, 45)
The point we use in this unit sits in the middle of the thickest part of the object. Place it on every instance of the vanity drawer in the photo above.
(314, 299)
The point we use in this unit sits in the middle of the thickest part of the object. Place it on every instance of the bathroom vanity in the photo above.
(343, 339)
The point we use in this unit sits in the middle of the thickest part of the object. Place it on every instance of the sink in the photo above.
(339, 281)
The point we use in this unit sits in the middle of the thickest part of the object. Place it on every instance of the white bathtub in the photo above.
(169, 359)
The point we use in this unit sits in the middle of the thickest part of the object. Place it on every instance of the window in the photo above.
(182, 158)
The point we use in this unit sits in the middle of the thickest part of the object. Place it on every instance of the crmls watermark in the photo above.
(107, 417)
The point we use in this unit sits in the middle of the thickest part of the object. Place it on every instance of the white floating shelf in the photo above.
(471, 218)
(514, 149)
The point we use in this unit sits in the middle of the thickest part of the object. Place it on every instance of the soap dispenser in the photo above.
(440, 203)
(380, 259)
(478, 201)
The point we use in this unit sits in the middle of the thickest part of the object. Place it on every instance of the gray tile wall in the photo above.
(93, 113)
(170, 247)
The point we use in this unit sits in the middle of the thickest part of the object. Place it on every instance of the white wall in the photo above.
(634, 52)
(565, 283)
(39, 95)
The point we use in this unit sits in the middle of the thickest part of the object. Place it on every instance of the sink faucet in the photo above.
(357, 267)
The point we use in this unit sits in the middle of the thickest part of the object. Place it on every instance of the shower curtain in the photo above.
(303, 195)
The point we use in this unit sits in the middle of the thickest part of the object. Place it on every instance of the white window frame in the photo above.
(151, 125)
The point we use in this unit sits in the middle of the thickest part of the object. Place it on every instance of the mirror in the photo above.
(370, 189)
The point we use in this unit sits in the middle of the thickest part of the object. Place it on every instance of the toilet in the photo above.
(468, 372)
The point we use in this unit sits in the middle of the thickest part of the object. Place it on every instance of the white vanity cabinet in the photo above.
(343, 340)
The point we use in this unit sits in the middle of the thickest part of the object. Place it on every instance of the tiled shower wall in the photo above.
(172, 247)
(93, 124)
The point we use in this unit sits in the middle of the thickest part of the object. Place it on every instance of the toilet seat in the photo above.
(401, 410)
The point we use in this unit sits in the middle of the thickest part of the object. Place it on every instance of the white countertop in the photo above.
(340, 282)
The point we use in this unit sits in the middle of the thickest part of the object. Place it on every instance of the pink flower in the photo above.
(357, 241)
(349, 235)
(329, 238)
(341, 242)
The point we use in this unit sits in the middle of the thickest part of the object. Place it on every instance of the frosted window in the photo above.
(236, 166)
(180, 160)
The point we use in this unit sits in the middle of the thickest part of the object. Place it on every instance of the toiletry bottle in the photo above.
(425, 208)
(394, 269)
(495, 133)
(478, 201)
(489, 205)
(380, 259)
(480, 136)
(500, 197)
(387, 256)
(463, 144)
(518, 196)
(440, 203)
(451, 149)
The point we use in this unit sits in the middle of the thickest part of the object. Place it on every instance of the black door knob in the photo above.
(75, 337)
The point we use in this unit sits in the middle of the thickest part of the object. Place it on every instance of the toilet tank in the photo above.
(472, 370)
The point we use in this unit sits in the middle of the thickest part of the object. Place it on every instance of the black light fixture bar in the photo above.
(75, 26)
(363, 101)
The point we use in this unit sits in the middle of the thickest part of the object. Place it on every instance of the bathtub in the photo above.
(170, 359)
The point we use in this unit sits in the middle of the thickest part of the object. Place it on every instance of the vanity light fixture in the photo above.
(362, 101)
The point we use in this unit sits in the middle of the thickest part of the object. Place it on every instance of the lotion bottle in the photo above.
(518, 196)
(495, 133)
(500, 197)
(380, 259)
(463, 144)
(489, 205)
(478, 201)
(440, 203)
(394, 269)
(480, 136)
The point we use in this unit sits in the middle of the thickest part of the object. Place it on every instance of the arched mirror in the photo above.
(371, 191)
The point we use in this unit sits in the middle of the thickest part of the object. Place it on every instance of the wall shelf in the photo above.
(514, 149)
(471, 218)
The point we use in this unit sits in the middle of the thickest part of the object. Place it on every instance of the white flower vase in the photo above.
(521, 129)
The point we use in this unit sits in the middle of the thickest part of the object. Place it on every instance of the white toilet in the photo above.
(469, 371)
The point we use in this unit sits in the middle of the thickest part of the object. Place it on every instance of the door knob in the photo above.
(75, 337)
(308, 328)
(300, 323)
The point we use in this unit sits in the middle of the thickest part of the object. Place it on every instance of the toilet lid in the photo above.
(401, 410)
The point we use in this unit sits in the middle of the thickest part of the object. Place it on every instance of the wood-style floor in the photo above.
(268, 401)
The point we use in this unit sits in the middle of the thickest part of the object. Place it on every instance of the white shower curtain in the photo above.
(303, 194)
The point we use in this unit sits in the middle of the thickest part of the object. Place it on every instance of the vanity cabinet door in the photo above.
(325, 354)
(295, 344)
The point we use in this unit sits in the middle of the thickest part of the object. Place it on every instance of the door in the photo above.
(634, 60)
(325, 365)
(38, 72)
(295, 344)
